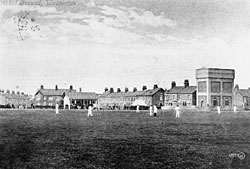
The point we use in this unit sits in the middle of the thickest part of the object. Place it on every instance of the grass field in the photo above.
(122, 139)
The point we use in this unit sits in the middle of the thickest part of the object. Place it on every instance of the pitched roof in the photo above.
(122, 94)
(105, 94)
(151, 92)
(54, 92)
(188, 90)
(175, 90)
(82, 95)
(244, 92)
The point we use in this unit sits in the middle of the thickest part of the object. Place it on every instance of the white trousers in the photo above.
(90, 113)
(177, 115)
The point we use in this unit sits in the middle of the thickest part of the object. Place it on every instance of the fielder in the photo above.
(90, 111)
(137, 109)
(155, 110)
(151, 111)
(177, 111)
(218, 109)
(235, 109)
(57, 106)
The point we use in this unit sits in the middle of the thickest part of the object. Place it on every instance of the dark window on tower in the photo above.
(215, 87)
(226, 102)
(215, 102)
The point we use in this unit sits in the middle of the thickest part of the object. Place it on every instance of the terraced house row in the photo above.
(124, 100)
(14, 99)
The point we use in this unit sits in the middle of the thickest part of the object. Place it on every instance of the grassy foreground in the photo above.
(123, 139)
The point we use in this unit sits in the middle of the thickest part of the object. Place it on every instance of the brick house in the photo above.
(241, 97)
(47, 98)
(153, 96)
(181, 95)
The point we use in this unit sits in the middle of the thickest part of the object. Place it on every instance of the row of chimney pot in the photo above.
(70, 87)
(13, 92)
(111, 90)
(186, 83)
(56, 87)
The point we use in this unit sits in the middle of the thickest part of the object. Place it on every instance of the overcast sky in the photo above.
(111, 43)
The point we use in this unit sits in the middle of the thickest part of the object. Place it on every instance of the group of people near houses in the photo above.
(90, 110)
(152, 110)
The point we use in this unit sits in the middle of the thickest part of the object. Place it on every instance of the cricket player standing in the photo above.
(155, 110)
(57, 106)
(151, 111)
(177, 111)
(218, 109)
(137, 109)
(235, 109)
(90, 111)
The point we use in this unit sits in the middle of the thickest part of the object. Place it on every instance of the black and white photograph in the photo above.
(124, 84)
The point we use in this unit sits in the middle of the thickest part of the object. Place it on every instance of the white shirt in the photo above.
(155, 109)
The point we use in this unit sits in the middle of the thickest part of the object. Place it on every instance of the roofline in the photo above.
(214, 69)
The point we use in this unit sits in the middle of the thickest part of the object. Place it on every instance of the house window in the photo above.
(44, 98)
(44, 103)
(215, 102)
(166, 97)
(50, 98)
(161, 97)
(38, 99)
(226, 102)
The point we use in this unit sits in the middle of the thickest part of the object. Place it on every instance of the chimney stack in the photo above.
(173, 84)
(8, 91)
(22, 93)
(186, 83)
(118, 90)
(111, 90)
(236, 87)
(71, 87)
(56, 87)
(155, 86)
(144, 88)
(42, 87)
(80, 89)
(126, 89)
(18, 93)
(135, 89)
(106, 89)
(13, 92)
